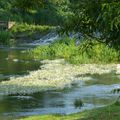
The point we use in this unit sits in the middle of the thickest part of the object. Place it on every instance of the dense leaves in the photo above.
(50, 12)
(98, 19)
(27, 5)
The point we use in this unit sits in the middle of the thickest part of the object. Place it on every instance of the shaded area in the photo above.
(104, 79)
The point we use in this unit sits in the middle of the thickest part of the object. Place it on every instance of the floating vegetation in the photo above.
(54, 74)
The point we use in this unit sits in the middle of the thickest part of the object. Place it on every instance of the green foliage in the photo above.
(109, 22)
(24, 27)
(29, 32)
(52, 12)
(5, 37)
(86, 52)
(27, 5)
(101, 17)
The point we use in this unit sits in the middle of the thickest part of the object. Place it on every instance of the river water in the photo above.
(93, 94)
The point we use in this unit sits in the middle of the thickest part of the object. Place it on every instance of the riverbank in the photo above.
(77, 52)
(27, 33)
(22, 33)
(111, 112)
(53, 75)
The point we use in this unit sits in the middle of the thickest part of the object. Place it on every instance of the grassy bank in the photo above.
(5, 37)
(107, 113)
(23, 32)
(24, 27)
(86, 52)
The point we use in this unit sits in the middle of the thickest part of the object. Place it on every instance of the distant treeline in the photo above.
(49, 12)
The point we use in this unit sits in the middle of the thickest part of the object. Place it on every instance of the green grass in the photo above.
(87, 52)
(107, 113)
(30, 32)
(24, 27)
(24, 31)
(5, 37)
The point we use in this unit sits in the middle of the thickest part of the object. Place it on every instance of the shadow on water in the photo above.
(105, 79)
(78, 103)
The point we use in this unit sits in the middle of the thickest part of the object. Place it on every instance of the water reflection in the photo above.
(15, 62)
(102, 79)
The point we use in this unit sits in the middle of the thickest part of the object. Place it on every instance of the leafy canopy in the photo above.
(98, 19)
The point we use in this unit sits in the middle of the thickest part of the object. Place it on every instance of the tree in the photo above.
(99, 19)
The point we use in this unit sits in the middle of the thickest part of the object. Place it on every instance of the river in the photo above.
(92, 94)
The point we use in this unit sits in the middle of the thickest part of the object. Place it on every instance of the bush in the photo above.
(58, 49)
(95, 52)
(86, 52)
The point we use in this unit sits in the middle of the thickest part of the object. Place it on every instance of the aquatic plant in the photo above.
(53, 75)
(24, 27)
(78, 103)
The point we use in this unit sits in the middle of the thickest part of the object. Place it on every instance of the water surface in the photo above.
(94, 93)
(15, 62)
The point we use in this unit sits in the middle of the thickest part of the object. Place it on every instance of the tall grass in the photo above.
(24, 27)
(5, 37)
(86, 52)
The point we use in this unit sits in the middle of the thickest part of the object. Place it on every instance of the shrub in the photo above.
(95, 52)
(86, 52)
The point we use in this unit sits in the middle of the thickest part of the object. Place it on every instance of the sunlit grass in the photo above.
(24, 27)
(86, 52)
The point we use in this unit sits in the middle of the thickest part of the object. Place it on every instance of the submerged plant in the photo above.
(78, 103)
(117, 90)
